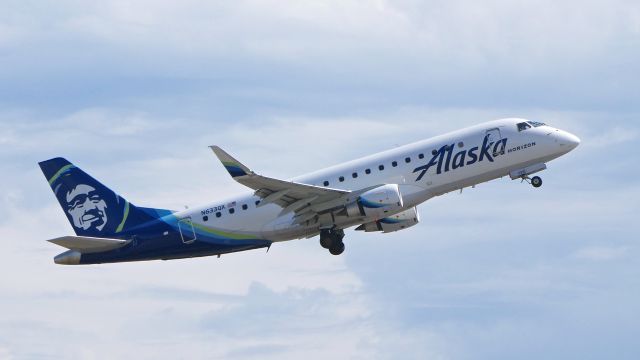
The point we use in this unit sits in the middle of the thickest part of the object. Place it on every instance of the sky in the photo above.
(134, 92)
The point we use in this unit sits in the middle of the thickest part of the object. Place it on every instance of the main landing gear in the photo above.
(332, 239)
(535, 181)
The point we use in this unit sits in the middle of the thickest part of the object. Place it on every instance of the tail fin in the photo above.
(92, 208)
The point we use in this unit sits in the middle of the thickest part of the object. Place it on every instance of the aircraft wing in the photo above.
(85, 244)
(303, 199)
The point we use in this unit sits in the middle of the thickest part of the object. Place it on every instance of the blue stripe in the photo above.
(235, 171)
(390, 221)
(369, 204)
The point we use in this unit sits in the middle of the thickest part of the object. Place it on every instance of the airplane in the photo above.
(377, 193)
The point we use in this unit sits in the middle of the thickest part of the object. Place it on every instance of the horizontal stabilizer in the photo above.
(86, 244)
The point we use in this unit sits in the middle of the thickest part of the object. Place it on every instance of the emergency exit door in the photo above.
(187, 231)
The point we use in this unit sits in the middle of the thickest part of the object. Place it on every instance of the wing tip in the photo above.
(233, 166)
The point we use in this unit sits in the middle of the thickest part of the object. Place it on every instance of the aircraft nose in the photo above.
(570, 140)
(567, 140)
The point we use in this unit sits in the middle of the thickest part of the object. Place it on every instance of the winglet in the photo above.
(233, 166)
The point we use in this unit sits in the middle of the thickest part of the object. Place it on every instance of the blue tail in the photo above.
(92, 208)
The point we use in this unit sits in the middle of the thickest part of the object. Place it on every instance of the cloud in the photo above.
(335, 55)
(601, 253)
(5, 353)
(612, 137)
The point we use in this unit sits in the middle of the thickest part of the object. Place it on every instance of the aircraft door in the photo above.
(187, 231)
(493, 136)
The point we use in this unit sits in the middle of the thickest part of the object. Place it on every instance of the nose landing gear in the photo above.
(535, 181)
(524, 173)
(332, 239)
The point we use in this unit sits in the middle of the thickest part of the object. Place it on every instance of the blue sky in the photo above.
(135, 92)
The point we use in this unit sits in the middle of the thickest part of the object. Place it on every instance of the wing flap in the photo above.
(85, 244)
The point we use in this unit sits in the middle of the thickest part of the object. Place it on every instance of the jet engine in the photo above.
(396, 222)
(376, 202)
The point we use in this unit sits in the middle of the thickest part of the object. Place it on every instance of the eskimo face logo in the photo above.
(87, 208)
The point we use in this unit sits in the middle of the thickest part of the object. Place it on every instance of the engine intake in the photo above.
(376, 202)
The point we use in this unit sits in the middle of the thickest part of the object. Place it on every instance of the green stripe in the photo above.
(60, 172)
(230, 163)
(124, 217)
(232, 236)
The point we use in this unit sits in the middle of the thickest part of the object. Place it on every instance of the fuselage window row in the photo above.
(368, 171)
(326, 183)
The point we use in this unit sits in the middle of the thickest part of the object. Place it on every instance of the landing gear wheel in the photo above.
(337, 248)
(330, 237)
(326, 241)
(536, 181)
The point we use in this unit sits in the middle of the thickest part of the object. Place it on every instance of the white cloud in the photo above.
(276, 28)
(428, 47)
(601, 253)
(5, 353)
(614, 136)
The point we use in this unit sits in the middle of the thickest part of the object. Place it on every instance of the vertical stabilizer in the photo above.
(92, 208)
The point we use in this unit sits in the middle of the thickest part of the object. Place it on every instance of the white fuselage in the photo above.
(422, 170)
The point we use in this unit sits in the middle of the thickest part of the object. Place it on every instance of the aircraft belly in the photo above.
(196, 250)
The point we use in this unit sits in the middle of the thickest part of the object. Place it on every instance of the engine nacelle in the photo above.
(376, 202)
(400, 221)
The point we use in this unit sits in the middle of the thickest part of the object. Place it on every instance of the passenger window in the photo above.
(523, 126)
(380, 167)
(244, 207)
(367, 171)
(205, 218)
(257, 202)
(341, 178)
(394, 163)
(420, 156)
(407, 160)
(354, 175)
(232, 210)
(326, 183)
(218, 214)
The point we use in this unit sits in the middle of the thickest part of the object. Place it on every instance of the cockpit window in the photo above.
(523, 126)
(536, 124)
